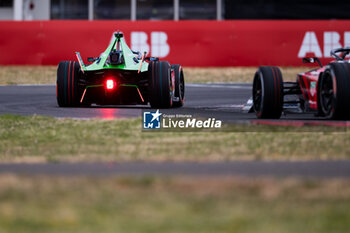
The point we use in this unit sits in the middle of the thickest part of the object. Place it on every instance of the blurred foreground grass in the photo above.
(173, 204)
(41, 139)
(47, 74)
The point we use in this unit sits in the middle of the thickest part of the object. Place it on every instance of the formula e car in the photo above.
(120, 76)
(324, 91)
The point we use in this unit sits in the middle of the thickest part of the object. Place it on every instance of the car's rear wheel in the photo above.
(179, 86)
(160, 85)
(67, 84)
(268, 92)
(334, 91)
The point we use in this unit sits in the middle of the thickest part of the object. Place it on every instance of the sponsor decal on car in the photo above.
(312, 88)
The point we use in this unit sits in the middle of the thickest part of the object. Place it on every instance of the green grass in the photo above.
(47, 74)
(148, 204)
(42, 139)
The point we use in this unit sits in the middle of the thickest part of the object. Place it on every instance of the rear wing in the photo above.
(81, 63)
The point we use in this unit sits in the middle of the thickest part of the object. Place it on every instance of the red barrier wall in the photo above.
(190, 43)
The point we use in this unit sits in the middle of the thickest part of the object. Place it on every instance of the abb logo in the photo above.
(331, 40)
(158, 46)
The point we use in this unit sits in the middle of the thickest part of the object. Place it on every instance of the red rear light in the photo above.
(110, 85)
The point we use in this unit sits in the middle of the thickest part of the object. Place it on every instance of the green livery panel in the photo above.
(131, 59)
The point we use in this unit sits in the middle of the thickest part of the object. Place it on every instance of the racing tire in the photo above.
(334, 91)
(160, 85)
(268, 92)
(179, 86)
(67, 84)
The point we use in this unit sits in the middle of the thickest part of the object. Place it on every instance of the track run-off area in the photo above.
(222, 101)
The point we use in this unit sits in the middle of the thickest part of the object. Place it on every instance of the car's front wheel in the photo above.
(179, 86)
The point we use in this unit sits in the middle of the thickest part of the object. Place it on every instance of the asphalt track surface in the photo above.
(307, 169)
(219, 101)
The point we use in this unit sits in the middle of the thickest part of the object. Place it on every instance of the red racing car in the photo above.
(324, 91)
